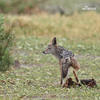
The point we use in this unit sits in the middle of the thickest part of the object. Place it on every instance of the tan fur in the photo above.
(75, 64)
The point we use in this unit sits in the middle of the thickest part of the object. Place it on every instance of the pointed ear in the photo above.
(54, 42)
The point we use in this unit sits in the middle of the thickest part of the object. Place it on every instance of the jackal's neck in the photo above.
(58, 52)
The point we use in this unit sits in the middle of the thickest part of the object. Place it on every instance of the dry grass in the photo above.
(79, 26)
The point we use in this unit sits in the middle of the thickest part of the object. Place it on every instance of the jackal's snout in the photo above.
(44, 52)
(47, 51)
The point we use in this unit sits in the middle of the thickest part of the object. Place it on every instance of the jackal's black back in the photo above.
(64, 53)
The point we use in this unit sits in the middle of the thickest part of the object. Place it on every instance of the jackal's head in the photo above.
(51, 48)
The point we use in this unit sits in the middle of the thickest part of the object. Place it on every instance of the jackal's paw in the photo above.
(65, 85)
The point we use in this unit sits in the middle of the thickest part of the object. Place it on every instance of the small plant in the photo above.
(5, 46)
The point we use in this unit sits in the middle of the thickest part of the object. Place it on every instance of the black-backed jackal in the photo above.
(66, 59)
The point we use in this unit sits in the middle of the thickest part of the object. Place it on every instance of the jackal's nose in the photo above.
(43, 52)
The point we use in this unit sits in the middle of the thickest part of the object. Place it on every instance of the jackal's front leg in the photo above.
(67, 77)
(61, 79)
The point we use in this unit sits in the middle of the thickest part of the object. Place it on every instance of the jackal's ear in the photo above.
(54, 42)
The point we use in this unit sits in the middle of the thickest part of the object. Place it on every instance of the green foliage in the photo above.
(5, 44)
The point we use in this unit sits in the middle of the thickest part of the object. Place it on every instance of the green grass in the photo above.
(39, 75)
(79, 32)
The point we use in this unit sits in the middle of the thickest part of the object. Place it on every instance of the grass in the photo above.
(39, 76)
(30, 6)
(79, 32)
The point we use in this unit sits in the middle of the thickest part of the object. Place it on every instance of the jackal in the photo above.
(66, 59)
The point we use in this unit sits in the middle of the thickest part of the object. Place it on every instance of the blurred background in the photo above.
(66, 7)
(26, 29)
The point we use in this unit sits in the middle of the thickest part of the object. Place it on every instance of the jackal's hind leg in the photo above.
(76, 77)
(75, 64)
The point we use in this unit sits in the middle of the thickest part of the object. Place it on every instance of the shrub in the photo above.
(5, 46)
